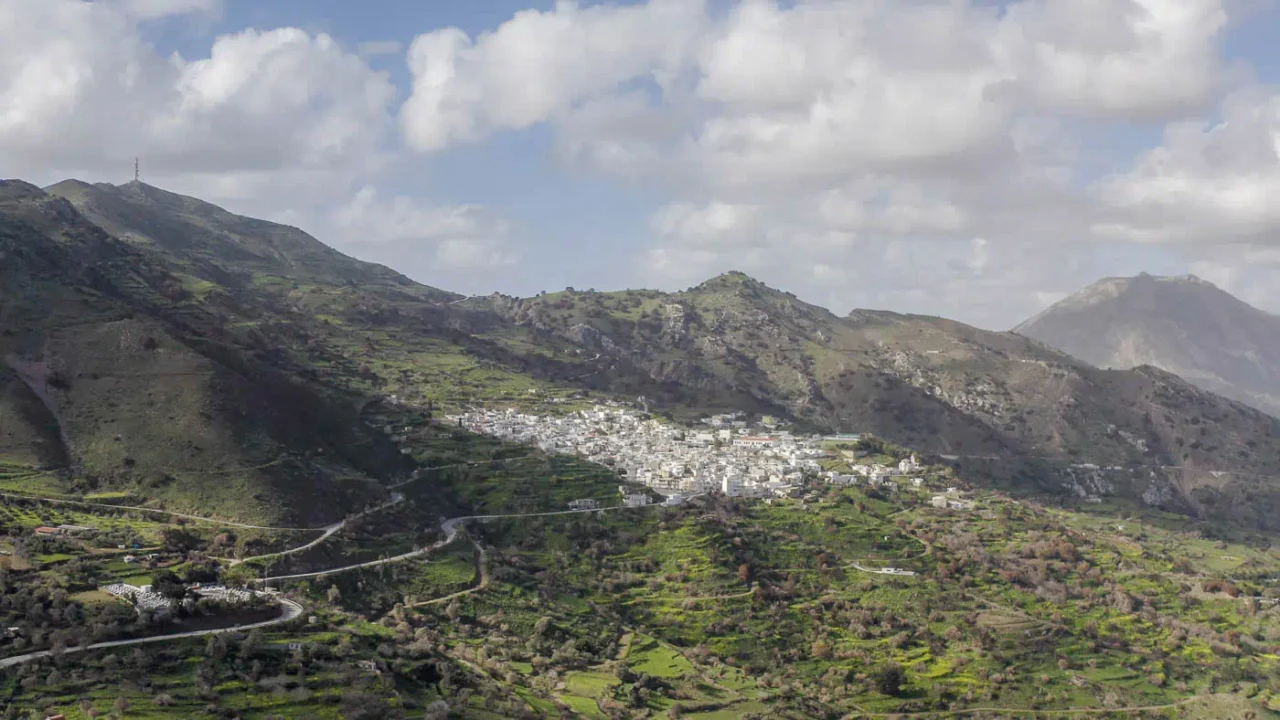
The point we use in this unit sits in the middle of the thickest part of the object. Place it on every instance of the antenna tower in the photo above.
(135, 169)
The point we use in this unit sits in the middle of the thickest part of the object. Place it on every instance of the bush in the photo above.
(890, 679)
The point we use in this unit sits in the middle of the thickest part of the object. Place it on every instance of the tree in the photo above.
(251, 643)
(166, 583)
(334, 594)
(889, 679)
(179, 539)
(238, 576)
(121, 705)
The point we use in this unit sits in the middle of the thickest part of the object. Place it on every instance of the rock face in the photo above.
(1183, 325)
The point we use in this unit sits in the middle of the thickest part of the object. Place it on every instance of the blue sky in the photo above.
(978, 178)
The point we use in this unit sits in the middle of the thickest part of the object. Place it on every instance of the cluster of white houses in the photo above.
(728, 457)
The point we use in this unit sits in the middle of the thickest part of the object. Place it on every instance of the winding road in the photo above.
(329, 530)
(450, 529)
(291, 611)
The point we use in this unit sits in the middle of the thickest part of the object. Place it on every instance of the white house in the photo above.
(584, 504)
(731, 486)
(909, 465)
(639, 500)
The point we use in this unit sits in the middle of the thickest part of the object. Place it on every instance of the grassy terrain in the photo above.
(724, 608)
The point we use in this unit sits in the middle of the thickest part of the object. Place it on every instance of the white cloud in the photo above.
(714, 224)
(82, 93)
(1117, 57)
(1206, 182)
(464, 236)
(538, 65)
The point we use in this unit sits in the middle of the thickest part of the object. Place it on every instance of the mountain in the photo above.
(1183, 325)
(147, 332)
(932, 384)
(120, 370)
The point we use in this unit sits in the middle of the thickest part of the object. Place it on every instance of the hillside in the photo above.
(225, 291)
(1184, 325)
(116, 378)
(927, 383)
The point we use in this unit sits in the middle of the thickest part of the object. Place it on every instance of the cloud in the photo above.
(158, 9)
(714, 224)
(1206, 182)
(538, 65)
(81, 92)
(1129, 58)
(462, 236)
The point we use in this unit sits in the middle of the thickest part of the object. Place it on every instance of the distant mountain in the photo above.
(1183, 325)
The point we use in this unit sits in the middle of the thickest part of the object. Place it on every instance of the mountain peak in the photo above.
(1181, 324)
(732, 278)
(18, 189)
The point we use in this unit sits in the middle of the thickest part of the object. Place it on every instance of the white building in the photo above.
(639, 500)
(584, 504)
(909, 465)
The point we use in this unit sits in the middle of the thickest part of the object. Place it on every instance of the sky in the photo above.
(974, 159)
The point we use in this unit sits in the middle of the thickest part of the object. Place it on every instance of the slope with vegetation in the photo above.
(929, 383)
(122, 379)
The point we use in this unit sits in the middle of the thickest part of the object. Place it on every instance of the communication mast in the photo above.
(135, 169)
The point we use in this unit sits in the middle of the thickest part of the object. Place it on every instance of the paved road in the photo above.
(291, 611)
(329, 530)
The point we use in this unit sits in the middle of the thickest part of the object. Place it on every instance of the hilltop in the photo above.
(1184, 325)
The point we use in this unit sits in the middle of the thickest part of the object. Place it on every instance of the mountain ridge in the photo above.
(213, 284)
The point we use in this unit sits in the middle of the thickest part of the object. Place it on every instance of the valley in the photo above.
(716, 503)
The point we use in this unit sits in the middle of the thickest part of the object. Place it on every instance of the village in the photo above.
(727, 455)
